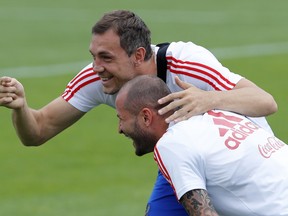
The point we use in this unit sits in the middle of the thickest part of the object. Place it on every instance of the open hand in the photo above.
(189, 102)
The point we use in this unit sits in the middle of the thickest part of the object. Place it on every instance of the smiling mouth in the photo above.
(105, 79)
(126, 135)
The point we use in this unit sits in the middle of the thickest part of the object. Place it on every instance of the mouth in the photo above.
(105, 80)
(126, 135)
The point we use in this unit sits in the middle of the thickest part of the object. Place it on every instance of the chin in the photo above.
(141, 152)
(110, 91)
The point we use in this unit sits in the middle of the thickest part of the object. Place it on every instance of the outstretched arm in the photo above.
(245, 98)
(34, 127)
(197, 202)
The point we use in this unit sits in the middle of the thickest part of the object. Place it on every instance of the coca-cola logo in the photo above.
(273, 145)
(235, 129)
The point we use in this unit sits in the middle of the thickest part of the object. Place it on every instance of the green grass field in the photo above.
(90, 169)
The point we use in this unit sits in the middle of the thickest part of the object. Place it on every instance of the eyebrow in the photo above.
(103, 52)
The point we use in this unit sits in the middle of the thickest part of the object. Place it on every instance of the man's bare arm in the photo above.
(197, 202)
(35, 127)
(245, 98)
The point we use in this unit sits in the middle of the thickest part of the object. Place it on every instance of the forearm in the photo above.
(197, 202)
(249, 101)
(25, 123)
(35, 127)
(245, 98)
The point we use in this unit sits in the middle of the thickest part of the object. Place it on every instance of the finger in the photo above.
(12, 82)
(5, 80)
(182, 84)
(171, 118)
(7, 89)
(5, 100)
(170, 97)
(185, 117)
(177, 116)
(171, 107)
(11, 95)
(165, 109)
(8, 95)
(180, 112)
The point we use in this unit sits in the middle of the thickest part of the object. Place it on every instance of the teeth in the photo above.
(105, 79)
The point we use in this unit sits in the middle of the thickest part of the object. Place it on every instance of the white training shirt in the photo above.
(190, 62)
(243, 167)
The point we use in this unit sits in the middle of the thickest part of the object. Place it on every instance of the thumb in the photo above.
(182, 84)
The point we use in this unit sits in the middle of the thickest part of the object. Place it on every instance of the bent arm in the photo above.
(197, 202)
(35, 127)
(245, 98)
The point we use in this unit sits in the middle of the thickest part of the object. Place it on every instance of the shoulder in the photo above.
(190, 134)
(84, 91)
(83, 80)
(183, 133)
(182, 47)
(190, 54)
(196, 65)
(86, 75)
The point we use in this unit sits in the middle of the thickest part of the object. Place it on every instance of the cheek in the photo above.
(126, 127)
(125, 71)
(120, 81)
(120, 127)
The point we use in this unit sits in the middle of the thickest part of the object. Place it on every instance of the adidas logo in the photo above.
(234, 129)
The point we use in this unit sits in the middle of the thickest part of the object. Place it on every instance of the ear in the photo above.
(140, 55)
(146, 116)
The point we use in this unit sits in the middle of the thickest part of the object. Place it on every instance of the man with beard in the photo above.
(218, 162)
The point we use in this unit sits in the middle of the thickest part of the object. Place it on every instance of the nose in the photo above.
(97, 67)
(120, 131)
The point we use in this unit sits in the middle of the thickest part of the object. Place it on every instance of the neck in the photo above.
(149, 67)
(160, 127)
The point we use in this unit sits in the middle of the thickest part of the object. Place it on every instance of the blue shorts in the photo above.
(163, 201)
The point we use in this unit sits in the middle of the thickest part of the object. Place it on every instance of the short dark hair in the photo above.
(144, 91)
(130, 28)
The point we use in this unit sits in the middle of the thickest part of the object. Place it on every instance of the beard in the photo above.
(144, 142)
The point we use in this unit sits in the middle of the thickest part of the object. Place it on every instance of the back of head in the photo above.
(130, 28)
(144, 91)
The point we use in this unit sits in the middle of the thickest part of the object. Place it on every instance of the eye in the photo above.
(107, 58)
(118, 116)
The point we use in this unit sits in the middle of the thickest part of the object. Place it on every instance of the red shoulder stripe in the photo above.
(162, 167)
(82, 79)
(69, 93)
(79, 74)
(179, 66)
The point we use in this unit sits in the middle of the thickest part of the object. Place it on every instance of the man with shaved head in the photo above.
(218, 162)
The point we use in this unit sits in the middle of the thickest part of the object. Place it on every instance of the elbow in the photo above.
(31, 143)
(271, 105)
